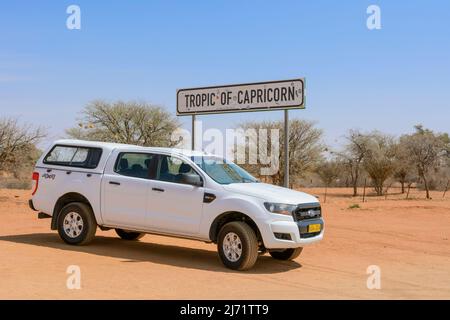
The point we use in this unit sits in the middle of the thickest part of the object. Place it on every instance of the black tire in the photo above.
(287, 254)
(83, 235)
(129, 235)
(249, 245)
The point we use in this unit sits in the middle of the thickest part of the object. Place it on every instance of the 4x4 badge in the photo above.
(49, 176)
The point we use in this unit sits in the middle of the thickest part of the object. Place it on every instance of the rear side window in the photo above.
(73, 156)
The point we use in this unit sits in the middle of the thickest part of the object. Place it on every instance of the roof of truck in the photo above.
(111, 146)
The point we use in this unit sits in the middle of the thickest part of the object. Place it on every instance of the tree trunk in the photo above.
(355, 186)
(355, 183)
(425, 182)
(379, 190)
(403, 186)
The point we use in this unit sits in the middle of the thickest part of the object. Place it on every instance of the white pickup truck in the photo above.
(189, 194)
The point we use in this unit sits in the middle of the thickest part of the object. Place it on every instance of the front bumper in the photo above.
(297, 230)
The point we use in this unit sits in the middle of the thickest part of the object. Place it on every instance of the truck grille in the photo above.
(307, 211)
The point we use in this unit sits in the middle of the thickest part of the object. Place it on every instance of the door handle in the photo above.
(158, 189)
(115, 183)
(68, 172)
(49, 170)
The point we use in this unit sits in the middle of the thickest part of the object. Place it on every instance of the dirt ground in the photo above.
(407, 239)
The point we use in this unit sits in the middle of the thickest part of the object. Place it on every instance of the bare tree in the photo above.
(16, 140)
(353, 155)
(379, 160)
(126, 122)
(425, 149)
(404, 172)
(328, 171)
(305, 147)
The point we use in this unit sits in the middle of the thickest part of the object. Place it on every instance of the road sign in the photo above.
(261, 96)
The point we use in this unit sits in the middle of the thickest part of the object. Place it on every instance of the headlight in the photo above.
(280, 208)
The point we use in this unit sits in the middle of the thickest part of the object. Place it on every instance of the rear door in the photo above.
(125, 189)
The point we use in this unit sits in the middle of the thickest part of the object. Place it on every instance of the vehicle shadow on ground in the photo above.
(137, 251)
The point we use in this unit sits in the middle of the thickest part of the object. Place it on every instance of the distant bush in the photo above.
(354, 206)
(17, 174)
(18, 152)
(15, 184)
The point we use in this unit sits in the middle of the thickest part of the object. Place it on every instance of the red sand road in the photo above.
(407, 239)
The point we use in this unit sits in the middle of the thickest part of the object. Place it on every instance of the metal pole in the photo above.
(286, 148)
(193, 133)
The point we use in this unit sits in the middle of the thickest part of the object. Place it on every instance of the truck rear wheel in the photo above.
(129, 235)
(287, 254)
(76, 224)
(237, 245)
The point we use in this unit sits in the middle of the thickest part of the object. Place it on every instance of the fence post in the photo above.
(407, 193)
(364, 190)
(386, 192)
(446, 188)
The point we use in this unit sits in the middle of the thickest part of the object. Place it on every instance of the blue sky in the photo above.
(388, 79)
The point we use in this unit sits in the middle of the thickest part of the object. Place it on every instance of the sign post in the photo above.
(286, 148)
(247, 97)
(193, 133)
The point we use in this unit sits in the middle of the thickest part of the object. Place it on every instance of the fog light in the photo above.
(282, 236)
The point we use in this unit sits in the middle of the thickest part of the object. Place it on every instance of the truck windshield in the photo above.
(223, 171)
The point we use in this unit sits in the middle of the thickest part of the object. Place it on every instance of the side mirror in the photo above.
(192, 179)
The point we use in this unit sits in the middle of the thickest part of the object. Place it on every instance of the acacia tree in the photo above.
(328, 171)
(353, 155)
(403, 171)
(425, 149)
(16, 140)
(305, 147)
(126, 122)
(379, 160)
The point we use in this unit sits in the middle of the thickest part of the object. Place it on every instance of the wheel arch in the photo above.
(230, 216)
(65, 200)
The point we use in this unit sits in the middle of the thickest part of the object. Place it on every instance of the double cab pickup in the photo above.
(137, 190)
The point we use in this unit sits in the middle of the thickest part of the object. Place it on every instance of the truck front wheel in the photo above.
(286, 254)
(237, 245)
(129, 235)
(76, 224)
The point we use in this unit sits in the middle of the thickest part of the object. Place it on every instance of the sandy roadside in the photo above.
(408, 239)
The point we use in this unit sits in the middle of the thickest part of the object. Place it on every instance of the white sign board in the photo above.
(286, 94)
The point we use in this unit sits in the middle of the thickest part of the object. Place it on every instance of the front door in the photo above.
(174, 207)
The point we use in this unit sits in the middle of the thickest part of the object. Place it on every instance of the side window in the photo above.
(139, 165)
(73, 156)
(171, 169)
